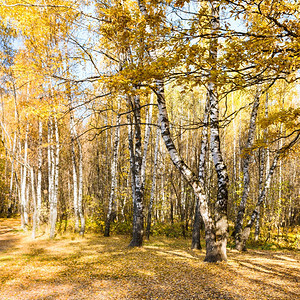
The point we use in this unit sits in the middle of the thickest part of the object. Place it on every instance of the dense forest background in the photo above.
(137, 117)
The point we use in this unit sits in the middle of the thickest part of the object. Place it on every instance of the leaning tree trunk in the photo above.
(213, 253)
(111, 203)
(262, 195)
(246, 164)
(246, 232)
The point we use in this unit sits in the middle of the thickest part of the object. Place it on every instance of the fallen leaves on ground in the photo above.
(95, 267)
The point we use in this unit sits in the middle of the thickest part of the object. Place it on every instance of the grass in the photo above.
(94, 267)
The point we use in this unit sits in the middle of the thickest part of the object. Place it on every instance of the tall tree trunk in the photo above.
(203, 151)
(50, 164)
(10, 206)
(24, 204)
(222, 195)
(235, 174)
(131, 155)
(152, 194)
(264, 167)
(80, 187)
(39, 174)
(111, 203)
(260, 187)
(246, 164)
(55, 178)
(35, 212)
(213, 252)
(74, 171)
(138, 218)
(146, 143)
(77, 176)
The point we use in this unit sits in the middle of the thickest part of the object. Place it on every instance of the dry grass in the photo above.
(95, 267)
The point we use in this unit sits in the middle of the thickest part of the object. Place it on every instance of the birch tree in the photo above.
(245, 167)
(111, 204)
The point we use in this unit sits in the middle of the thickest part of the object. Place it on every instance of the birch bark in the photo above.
(77, 176)
(11, 206)
(39, 174)
(260, 186)
(50, 165)
(111, 203)
(74, 170)
(146, 142)
(54, 178)
(203, 151)
(246, 179)
(215, 148)
(138, 219)
(215, 251)
(152, 194)
(80, 186)
(35, 212)
(24, 213)
(262, 195)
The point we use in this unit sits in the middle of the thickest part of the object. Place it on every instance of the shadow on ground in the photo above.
(104, 268)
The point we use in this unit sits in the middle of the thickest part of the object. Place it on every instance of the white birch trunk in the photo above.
(212, 252)
(146, 142)
(74, 171)
(131, 154)
(80, 187)
(203, 154)
(260, 187)
(246, 165)
(153, 186)
(262, 195)
(35, 211)
(138, 219)
(54, 176)
(11, 208)
(111, 203)
(220, 167)
(50, 165)
(24, 212)
(234, 175)
(39, 174)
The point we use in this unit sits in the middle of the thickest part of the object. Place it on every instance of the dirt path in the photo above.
(95, 267)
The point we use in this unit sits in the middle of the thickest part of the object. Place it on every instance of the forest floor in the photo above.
(95, 267)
